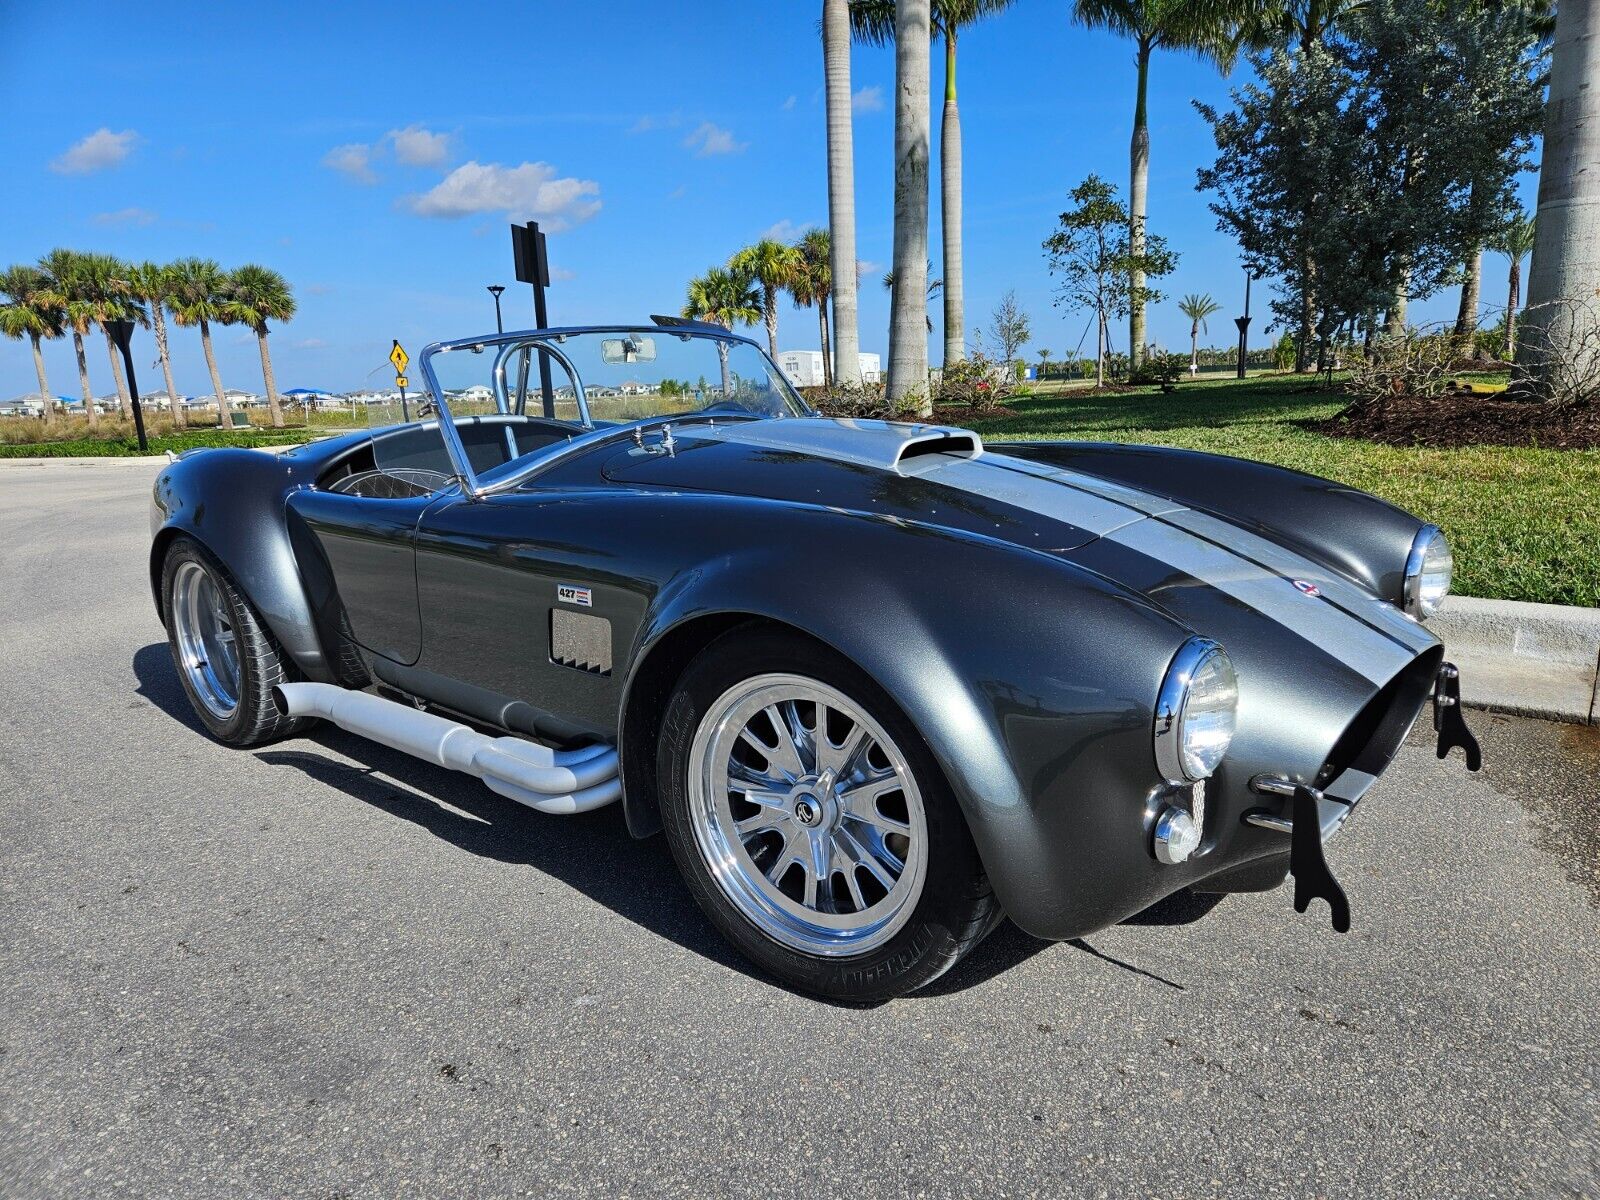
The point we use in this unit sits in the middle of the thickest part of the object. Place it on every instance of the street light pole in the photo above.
(494, 290)
(1244, 327)
(121, 331)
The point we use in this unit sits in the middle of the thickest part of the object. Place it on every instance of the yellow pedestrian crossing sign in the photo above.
(399, 358)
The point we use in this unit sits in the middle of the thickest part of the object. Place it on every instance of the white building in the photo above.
(803, 368)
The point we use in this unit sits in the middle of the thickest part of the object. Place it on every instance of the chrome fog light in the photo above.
(1429, 568)
(1196, 712)
(1177, 836)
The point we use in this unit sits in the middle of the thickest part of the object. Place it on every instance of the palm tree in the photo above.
(874, 21)
(67, 293)
(1210, 30)
(908, 305)
(1044, 362)
(153, 284)
(841, 191)
(813, 284)
(1516, 243)
(31, 313)
(723, 297)
(257, 295)
(935, 286)
(105, 278)
(772, 265)
(199, 297)
(1197, 309)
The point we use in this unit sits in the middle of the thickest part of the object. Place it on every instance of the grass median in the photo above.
(128, 447)
(1523, 521)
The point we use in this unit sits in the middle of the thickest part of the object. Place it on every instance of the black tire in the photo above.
(262, 663)
(957, 906)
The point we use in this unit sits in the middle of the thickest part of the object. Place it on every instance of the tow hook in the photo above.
(1448, 722)
(1312, 878)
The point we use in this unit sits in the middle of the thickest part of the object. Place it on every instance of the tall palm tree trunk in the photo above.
(841, 191)
(83, 378)
(908, 306)
(225, 416)
(955, 299)
(44, 383)
(179, 417)
(722, 361)
(1513, 298)
(1194, 348)
(1138, 204)
(123, 398)
(1566, 240)
(827, 350)
(769, 313)
(269, 380)
(1471, 291)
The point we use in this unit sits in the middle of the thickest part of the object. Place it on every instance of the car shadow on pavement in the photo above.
(592, 853)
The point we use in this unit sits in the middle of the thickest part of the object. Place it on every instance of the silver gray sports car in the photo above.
(881, 685)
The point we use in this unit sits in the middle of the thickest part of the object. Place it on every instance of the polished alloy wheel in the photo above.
(808, 815)
(207, 648)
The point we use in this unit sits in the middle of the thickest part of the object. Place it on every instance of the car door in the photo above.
(527, 615)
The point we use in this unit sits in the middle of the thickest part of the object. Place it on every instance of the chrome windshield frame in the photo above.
(549, 342)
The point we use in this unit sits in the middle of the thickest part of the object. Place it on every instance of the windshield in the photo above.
(626, 375)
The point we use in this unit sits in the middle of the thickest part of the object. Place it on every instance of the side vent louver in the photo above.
(580, 641)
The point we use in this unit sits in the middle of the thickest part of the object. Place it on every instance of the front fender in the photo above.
(232, 503)
(1031, 680)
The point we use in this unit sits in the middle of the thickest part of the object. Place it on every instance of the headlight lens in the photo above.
(1428, 570)
(1196, 712)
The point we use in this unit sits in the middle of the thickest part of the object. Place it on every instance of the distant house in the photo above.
(803, 368)
(632, 387)
(31, 405)
(160, 401)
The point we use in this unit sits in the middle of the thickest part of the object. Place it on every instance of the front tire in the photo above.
(813, 825)
(228, 661)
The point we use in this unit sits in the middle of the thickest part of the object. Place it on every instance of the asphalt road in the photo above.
(323, 969)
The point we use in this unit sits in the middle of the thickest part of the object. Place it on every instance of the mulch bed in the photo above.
(958, 414)
(1464, 420)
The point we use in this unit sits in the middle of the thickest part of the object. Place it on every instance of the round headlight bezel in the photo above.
(1430, 545)
(1196, 658)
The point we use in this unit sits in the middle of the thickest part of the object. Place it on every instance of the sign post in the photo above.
(121, 331)
(399, 358)
(1244, 328)
(532, 263)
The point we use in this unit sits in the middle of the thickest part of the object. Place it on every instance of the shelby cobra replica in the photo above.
(880, 685)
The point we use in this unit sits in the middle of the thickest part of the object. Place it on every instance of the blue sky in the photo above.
(375, 154)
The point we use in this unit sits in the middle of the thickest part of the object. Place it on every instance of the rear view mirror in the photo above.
(630, 349)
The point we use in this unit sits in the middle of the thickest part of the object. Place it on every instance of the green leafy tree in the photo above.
(1093, 256)
(199, 298)
(256, 295)
(727, 298)
(1010, 329)
(104, 281)
(30, 311)
(812, 285)
(773, 266)
(68, 291)
(1044, 361)
(874, 22)
(152, 283)
(1211, 29)
(1197, 308)
(1516, 243)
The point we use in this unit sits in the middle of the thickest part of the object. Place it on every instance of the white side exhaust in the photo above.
(552, 781)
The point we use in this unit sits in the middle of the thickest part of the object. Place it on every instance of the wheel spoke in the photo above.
(861, 803)
(862, 856)
(839, 759)
(786, 754)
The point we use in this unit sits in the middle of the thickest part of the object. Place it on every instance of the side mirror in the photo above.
(630, 349)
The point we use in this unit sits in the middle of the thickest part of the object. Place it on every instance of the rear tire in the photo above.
(226, 658)
(839, 862)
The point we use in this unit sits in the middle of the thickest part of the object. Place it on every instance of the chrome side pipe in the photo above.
(552, 781)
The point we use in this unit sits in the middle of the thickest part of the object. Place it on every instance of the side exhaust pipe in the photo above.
(552, 781)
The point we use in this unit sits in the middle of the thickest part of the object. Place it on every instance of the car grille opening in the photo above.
(1370, 742)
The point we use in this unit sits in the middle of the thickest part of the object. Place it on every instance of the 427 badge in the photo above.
(571, 593)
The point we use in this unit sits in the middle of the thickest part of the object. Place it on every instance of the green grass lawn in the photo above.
(126, 447)
(1524, 523)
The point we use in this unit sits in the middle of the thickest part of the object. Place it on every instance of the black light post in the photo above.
(494, 290)
(1244, 327)
(121, 331)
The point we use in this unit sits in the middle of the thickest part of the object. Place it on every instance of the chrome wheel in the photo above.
(207, 649)
(807, 815)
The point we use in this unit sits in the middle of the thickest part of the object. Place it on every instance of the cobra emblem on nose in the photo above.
(1309, 589)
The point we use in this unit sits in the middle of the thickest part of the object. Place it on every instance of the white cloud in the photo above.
(418, 147)
(651, 121)
(784, 231)
(531, 190)
(353, 161)
(311, 344)
(560, 274)
(100, 150)
(867, 99)
(126, 216)
(788, 105)
(709, 139)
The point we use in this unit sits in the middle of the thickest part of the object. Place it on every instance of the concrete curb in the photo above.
(1534, 660)
(128, 459)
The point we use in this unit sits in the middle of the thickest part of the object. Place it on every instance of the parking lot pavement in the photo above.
(323, 969)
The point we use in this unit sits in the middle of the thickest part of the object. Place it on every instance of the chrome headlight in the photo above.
(1428, 570)
(1196, 711)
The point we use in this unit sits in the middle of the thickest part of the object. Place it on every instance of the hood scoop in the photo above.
(886, 445)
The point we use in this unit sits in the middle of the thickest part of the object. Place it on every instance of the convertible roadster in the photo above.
(882, 686)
